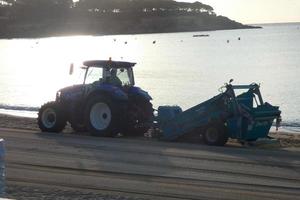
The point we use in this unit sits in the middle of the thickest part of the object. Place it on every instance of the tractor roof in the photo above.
(108, 63)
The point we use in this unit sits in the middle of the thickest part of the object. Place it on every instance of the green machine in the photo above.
(245, 117)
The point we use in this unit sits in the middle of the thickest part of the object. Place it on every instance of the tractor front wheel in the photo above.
(215, 134)
(51, 117)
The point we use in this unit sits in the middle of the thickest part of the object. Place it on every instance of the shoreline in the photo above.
(93, 34)
(283, 139)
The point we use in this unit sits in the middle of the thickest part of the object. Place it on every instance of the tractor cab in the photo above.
(111, 72)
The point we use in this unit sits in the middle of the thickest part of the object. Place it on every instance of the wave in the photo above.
(290, 124)
(19, 108)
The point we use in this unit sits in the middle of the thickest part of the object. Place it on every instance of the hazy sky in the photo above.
(256, 11)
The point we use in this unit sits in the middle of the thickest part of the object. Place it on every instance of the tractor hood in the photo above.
(70, 93)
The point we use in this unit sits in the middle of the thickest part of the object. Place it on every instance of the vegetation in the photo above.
(38, 18)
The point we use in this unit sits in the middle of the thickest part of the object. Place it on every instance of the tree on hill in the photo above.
(141, 6)
(36, 10)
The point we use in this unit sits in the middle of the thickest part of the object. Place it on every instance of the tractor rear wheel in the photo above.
(102, 116)
(215, 134)
(51, 117)
(139, 118)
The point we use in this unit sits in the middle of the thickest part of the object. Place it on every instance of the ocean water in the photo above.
(175, 68)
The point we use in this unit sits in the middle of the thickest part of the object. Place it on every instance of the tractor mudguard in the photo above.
(138, 92)
(113, 91)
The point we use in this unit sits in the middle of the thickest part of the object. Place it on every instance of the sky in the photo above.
(256, 11)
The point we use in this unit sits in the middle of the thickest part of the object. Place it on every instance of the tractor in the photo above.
(106, 104)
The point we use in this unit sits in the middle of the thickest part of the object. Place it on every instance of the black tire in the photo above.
(139, 118)
(102, 117)
(51, 117)
(215, 134)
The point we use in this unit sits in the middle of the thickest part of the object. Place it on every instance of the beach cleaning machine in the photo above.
(245, 117)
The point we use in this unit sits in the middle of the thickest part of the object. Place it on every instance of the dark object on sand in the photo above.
(106, 104)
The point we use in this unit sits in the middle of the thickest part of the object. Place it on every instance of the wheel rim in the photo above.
(212, 135)
(100, 116)
(49, 117)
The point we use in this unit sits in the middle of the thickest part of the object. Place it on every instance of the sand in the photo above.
(27, 191)
(284, 139)
(16, 190)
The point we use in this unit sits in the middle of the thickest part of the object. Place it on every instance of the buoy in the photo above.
(227, 41)
(126, 42)
(239, 38)
(154, 42)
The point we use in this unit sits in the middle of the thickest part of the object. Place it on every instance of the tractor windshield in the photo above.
(115, 76)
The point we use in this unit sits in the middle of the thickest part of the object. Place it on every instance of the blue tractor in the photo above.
(107, 103)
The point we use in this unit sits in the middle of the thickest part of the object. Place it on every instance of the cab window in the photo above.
(93, 74)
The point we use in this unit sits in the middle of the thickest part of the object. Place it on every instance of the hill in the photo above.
(42, 18)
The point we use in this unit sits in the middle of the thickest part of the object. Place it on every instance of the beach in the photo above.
(24, 126)
(71, 166)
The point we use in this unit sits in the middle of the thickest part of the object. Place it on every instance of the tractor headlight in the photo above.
(58, 95)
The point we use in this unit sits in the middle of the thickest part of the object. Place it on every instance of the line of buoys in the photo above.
(228, 41)
(153, 42)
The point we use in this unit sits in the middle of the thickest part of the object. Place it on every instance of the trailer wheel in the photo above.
(102, 117)
(51, 117)
(216, 135)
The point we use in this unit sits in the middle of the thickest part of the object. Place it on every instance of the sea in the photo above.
(175, 68)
